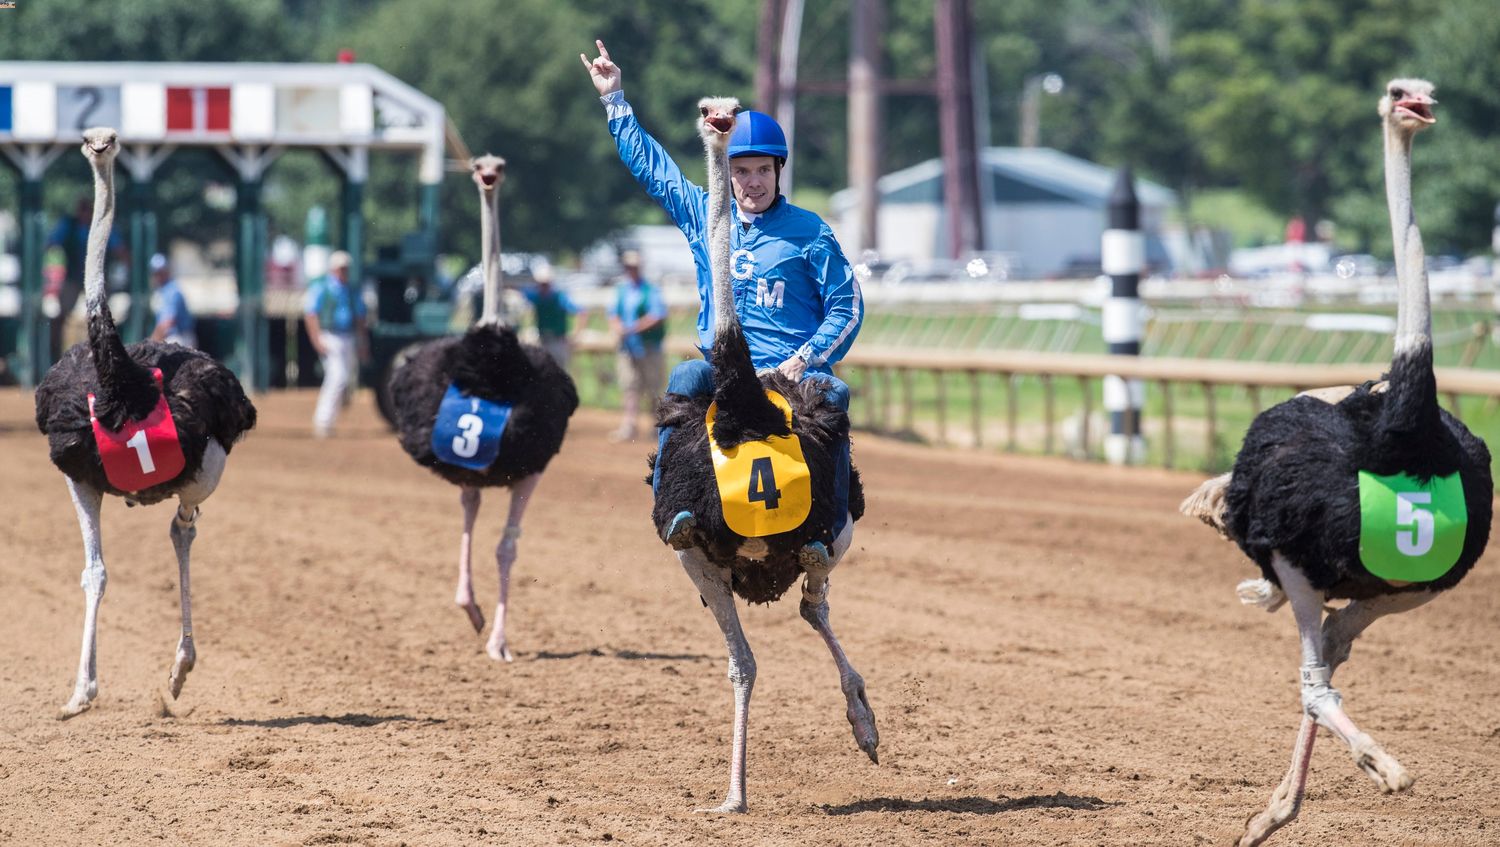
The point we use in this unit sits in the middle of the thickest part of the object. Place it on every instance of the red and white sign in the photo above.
(142, 453)
(197, 110)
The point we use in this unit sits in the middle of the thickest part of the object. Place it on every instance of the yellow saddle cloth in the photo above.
(764, 486)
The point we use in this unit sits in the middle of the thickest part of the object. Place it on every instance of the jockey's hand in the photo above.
(605, 74)
(793, 368)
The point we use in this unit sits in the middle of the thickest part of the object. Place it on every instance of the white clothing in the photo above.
(338, 365)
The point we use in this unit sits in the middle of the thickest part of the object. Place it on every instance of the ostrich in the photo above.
(720, 561)
(153, 421)
(487, 368)
(1372, 495)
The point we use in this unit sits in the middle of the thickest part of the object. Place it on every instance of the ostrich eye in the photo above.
(703, 110)
(738, 109)
(1398, 93)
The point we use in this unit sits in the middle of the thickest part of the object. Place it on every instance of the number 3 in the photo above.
(1417, 541)
(142, 451)
(467, 444)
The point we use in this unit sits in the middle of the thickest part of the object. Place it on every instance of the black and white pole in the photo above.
(1123, 255)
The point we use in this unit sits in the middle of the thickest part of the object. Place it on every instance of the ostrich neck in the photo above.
(719, 222)
(1413, 304)
(99, 230)
(489, 220)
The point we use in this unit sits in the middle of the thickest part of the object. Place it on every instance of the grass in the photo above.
(1259, 335)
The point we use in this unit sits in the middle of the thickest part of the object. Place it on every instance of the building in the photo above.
(1044, 210)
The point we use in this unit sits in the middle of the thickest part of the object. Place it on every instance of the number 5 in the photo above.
(1417, 541)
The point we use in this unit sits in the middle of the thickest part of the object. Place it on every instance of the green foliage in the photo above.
(1273, 99)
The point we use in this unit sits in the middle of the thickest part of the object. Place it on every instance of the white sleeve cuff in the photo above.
(615, 105)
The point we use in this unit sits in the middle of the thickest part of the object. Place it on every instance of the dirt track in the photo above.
(1054, 656)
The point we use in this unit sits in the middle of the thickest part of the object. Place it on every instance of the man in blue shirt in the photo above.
(638, 318)
(335, 317)
(174, 321)
(795, 294)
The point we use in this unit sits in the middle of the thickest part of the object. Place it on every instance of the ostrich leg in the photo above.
(713, 587)
(87, 500)
(1346, 624)
(815, 611)
(184, 530)
(464, 597)
(505, 557)
(1322, 704)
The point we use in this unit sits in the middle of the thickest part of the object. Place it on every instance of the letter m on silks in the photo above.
(1411, 531)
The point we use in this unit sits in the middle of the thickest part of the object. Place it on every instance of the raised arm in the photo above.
(647, 160)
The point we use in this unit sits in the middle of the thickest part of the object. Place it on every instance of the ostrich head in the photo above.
(100, 144)
(489, 172)
(1407, 104)
(717, 120)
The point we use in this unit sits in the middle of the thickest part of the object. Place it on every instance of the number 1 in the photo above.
(142, 451)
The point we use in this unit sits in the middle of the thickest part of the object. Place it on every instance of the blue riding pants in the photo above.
(695, 378)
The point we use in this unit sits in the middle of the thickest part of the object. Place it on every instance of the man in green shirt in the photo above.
(554, 312)
(638, 317)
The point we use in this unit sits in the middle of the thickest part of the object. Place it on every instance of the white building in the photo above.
(1044, 208)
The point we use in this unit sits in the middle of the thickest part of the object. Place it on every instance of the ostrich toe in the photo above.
(862, 719)
(471, 608)
(1388, 773)
(75, 707)
(728, 807)
(181, 665)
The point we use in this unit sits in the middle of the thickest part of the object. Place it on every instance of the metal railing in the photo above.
(913, 393)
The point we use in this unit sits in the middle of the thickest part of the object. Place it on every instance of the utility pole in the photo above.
(953, 26)
(766, 76)
(865, 25)
(1123, 255)
(786, 82)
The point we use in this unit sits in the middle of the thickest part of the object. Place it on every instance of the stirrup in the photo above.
(681, 535)
(814, 556)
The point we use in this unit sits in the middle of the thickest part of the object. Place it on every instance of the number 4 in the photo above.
(763, 484)
(1416, 541)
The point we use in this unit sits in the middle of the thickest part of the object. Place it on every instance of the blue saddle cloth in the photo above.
(468, 429)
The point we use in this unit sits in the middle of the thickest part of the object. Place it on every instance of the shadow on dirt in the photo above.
(347, 719)
(971, 805)
(630, 655)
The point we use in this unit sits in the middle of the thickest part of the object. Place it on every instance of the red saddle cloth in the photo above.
(143, 453)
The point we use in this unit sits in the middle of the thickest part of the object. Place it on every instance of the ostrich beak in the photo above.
(722, 124)
(1418, 107)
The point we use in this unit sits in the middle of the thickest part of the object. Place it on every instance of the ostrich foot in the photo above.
(1282, 809)
(471, 608)
(186, 658)
(80, 703)
(730, 806)
(862, 719)
(1388, 773)
(499, 650)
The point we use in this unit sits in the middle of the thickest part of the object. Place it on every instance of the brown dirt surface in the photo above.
(1054, 656)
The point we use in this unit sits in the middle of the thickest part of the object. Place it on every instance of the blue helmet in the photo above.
(757, 134)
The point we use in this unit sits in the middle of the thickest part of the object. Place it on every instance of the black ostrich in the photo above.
(1294, 505)
(137, 395)
(720, 561)
(489, 364)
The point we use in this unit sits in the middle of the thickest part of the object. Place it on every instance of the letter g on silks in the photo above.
(795, 295)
